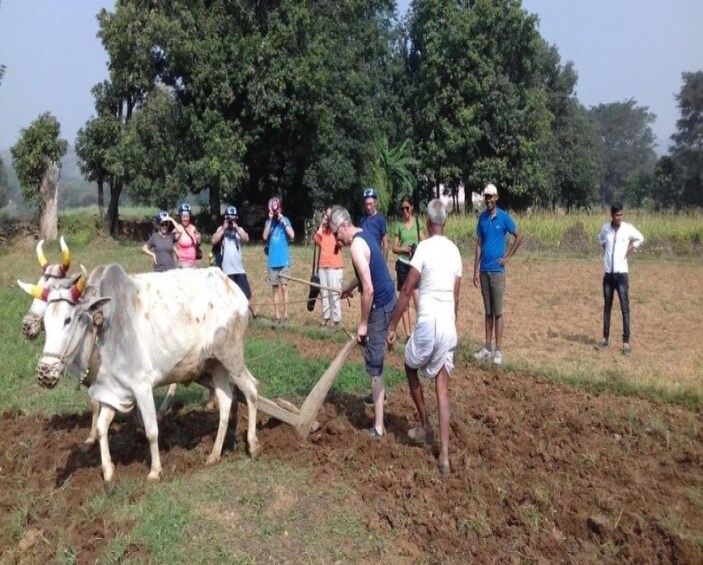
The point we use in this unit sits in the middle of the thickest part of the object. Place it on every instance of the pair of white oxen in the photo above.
(125, 335)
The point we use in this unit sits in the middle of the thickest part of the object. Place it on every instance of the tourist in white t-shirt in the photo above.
(437, 265)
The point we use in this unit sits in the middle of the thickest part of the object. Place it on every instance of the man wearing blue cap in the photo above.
(373, 222)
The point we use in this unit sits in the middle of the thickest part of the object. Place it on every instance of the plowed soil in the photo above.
(539, 472)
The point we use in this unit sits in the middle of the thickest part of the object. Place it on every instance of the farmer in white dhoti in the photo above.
(437, 265)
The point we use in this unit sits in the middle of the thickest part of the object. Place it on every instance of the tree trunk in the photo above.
(215, 202)
(113, 207)
(49, 217)
(101, 198)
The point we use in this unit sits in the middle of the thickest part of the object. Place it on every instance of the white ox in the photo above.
(129, 334)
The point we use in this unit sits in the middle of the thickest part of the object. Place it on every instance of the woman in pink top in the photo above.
(188, 238)
(331, 271)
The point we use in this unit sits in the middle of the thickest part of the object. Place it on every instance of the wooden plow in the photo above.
(303, 418)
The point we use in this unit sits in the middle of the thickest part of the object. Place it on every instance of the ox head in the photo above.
(67, 320)
(53, 276)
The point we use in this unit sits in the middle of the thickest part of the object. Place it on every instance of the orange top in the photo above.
(328, 258)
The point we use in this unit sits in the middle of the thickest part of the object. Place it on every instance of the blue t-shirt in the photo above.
(383, 287)
(278, 244)
(492, 233)
(376, 226)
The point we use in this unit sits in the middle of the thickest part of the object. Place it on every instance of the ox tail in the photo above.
(253, 379)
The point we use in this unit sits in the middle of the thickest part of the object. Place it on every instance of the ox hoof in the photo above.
(109, 487)
(255, 451)
(210, 406)
(153, 476)
(212, 459)
(87, 446)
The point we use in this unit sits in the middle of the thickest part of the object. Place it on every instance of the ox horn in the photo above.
(34, 290)
(65, 256)
(40, 255)
(78, 288)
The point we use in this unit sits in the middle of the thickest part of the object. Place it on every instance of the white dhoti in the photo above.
(431, 345)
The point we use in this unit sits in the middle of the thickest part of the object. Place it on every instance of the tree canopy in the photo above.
(312, 101)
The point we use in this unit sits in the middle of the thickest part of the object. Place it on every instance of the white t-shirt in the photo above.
(438, 261)
(615, 245)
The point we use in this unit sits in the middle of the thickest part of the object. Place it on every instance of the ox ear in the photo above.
(97, 304)
(40, 254)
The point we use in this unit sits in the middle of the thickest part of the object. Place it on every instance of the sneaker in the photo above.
(375, 434)
(368, 399)
(483, 355)
(498, 358)
(421, 435)
(602, 344)
(626, 349)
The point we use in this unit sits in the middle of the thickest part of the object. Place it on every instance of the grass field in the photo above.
(244, 511)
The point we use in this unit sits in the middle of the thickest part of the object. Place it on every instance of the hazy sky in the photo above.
(621, 49)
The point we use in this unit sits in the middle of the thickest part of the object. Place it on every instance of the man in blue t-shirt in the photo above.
(277, 231)
(377, 302)
(373, 222)
(489, 268)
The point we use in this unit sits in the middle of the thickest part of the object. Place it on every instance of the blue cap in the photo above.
(231, 211)
(370, 193)
(185, 207)
(161, 216)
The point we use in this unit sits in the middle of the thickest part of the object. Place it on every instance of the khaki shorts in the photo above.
(492, 289)
(274, 276)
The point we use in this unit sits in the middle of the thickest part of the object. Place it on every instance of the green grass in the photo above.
(549, 229)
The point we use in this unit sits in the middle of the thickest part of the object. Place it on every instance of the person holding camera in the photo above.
(407, 235)
(188, 240)
(230, 237)
(277, 231)
(330, 271)
(161, 244)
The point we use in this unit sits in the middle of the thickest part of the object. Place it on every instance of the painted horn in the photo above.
(65, 256)
(40, 255)
(34, 290)
(77, 289)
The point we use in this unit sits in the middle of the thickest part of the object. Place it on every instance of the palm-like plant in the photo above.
(392, 173)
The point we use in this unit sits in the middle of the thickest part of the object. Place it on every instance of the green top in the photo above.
(407, 236)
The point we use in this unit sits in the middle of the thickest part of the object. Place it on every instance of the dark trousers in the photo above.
(612, 283)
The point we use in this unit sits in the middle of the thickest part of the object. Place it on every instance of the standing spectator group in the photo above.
(429, 272)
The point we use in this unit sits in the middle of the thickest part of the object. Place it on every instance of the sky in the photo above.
(621, 49)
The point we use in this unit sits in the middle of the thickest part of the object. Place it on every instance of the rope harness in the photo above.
(67, 355)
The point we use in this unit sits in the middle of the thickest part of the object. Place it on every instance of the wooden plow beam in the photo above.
(303, 419)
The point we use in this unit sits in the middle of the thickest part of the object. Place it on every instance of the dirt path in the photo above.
(539, 472)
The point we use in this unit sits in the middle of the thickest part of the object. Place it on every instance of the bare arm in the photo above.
(457, 290)
(360, 254)
(404, 298)
(147, 251)
(384, 246)
(477, 261)
(517, 242)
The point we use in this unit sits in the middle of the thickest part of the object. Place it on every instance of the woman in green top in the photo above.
(407, 234)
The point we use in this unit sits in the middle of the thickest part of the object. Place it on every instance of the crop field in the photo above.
(562, 454)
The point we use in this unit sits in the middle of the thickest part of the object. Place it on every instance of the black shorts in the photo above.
(401, 273)
(240, 279)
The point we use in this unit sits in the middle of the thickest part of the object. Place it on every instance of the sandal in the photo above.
(421, 435)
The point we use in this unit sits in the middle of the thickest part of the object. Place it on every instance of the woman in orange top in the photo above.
(331, 271)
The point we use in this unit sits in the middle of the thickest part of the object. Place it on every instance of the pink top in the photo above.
(185, 247)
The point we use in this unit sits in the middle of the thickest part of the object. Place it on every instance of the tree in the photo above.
(478, 101)
(94, 143)
(392, 173)
(3, 174)
(627, 145)
(36, 159)
(687, 152)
